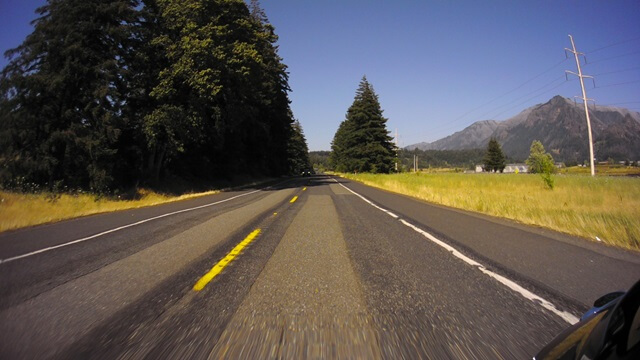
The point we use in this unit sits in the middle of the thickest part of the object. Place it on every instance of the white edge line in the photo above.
(568, 317)
(367, 201)
(2, 261)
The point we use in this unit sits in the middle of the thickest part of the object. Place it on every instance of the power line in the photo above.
(622, 103)
(531, 98)
(617, 71)
(618, 84)
(502, 95)
(611, 58)
(529, 93)
(614, 44)
(544, 89)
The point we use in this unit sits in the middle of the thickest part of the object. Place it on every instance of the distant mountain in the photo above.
(473, 137)
(561, 127)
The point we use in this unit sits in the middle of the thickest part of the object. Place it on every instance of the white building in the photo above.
(510, 168)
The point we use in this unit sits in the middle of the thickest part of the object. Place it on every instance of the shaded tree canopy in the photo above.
(298, 151)
(63, 94)
(106, 94)
(362, 142)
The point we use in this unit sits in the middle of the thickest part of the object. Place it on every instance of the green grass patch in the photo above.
(604, 207)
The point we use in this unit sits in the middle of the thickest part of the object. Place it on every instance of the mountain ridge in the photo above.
(560, 125)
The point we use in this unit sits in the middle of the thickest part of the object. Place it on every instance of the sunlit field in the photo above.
(610, 170)
(602, 207)
(20, 210)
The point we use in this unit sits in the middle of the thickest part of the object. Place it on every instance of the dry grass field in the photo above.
(20, 210)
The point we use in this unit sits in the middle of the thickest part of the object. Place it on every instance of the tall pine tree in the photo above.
(362, 142)
(494, 159)
(63, 95)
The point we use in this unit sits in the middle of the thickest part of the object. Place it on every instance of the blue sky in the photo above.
(437, 66)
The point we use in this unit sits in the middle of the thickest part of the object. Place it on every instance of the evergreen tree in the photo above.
(298, 151)
(494, 159)
(274, 112)
(362, 142)
(342, 141)
(146, 134)
(62, 95)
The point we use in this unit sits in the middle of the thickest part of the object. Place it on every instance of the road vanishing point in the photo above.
(313, 267)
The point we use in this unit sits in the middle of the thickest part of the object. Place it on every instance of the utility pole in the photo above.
(584, 98)
(397, 149)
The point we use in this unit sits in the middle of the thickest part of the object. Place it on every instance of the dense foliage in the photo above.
(540, 162)
(362, 142)
(298, 151)
(320, 160)
(494, 159)
(107, 94)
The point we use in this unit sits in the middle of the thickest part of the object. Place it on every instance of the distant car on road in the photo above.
(609, 330)
(307, 173)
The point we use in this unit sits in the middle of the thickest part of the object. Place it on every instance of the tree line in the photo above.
(466, 159)
(108, 94)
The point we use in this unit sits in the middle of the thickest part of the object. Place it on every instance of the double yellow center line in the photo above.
(217, 268)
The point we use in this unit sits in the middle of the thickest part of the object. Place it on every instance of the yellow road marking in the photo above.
(304, 189)
(294, 199)
(217, 269)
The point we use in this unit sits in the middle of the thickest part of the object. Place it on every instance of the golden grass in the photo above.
(21, 210)
(604, 207)
(610, 170)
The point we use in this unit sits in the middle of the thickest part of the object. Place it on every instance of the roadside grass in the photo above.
(18, 210)
(602, 207)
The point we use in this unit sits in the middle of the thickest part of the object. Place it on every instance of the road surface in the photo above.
(316, 267)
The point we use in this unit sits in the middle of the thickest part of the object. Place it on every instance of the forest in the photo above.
(113, 94)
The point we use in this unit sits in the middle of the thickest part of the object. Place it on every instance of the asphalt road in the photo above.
(336, 270)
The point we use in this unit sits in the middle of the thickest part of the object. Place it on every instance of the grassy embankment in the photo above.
(604, 207)
(21, 210)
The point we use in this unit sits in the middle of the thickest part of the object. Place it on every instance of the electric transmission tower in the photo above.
(584, 97)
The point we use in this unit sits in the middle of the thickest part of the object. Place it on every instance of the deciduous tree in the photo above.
(540, 162)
